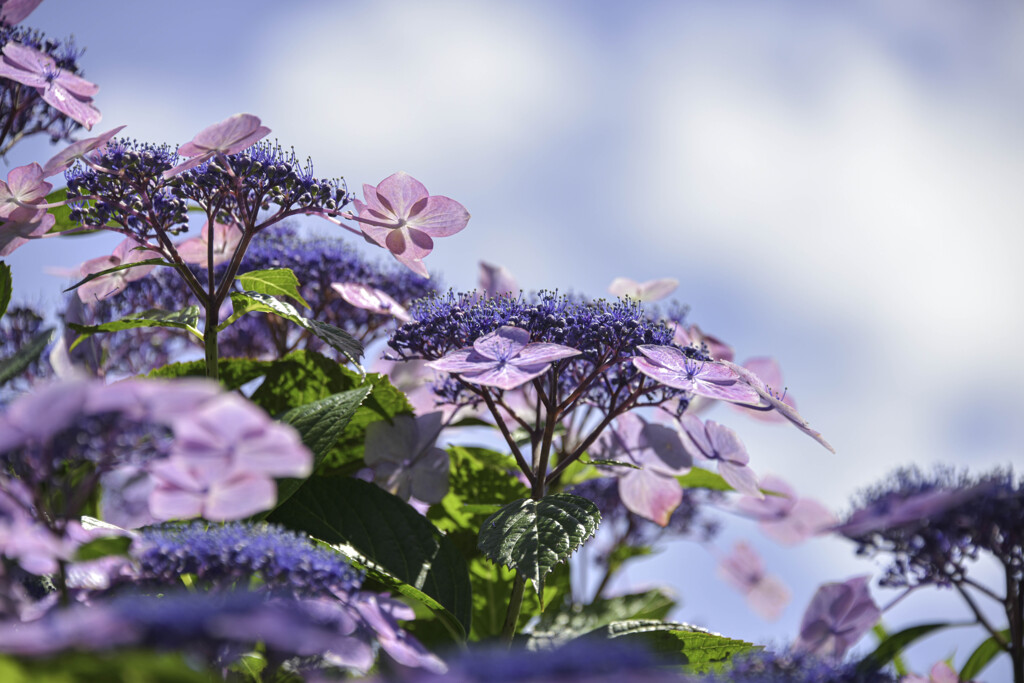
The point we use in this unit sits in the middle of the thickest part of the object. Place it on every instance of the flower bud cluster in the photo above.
(130, 193)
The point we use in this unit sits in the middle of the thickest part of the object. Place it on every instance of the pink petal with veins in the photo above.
(399, 193)
(650, 495)
(503, 343)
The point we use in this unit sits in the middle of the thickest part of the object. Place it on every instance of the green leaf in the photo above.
(123, 266)
(387, 531)
(533, 536)
(981, 657)
(492, 588)
(698, 649)
(187, 319)
(134, 666)
(103, 547)
(232, 372)
(557, 627)
(25, 356)
(5, 287)
(274, 281)
(320, 423)
(335, 337)
(698, 478)
(611, 463)
(896, 643)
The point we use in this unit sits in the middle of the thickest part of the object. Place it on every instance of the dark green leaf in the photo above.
(611, 463)
(387, 531)
(273, 281)
(533, 536)
(492, 588)
(25, 356)
(5, 287)
(699, 650)
(186, 319)
(894, 644)
(134, 666)
(559, 626)
(232, 372)
(320, 423)
(981, 657)
(123, 266)
(103, 547)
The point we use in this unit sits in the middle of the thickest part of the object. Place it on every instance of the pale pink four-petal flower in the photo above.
(370, 299)
(743, 568)
(839, 614)
(784, 517)
(106, 286)
(652, 290)
(230, 136)
(61, 161)
(713, 441)
(710, 379)
(504, 359)
(401, 216)
(405, 460)
(225, 238)
(23, 214)
(64, 91)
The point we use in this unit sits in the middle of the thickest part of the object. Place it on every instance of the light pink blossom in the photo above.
(695, 337)
(765, 594)
(401, 216)
(14, 12)
(106, 286)
(671, 367)
(496, 280)
(940, 673)
(504, 359)
(22, 225)
(652, 290)
(225, 239)
(839, 614)
(370, 299)
(230, 136)
(64, 91)
(785, 518)
(713, 441)
(62, 160)
(25, 187)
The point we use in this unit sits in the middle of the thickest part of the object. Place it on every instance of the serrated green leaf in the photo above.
(6, 287)
(533, 536)
(273, 281)
(123, 266)
(894, 644)
(320, 424)
(387, 531)
(335, 337)
(982, 656)
(232, 372)
(557, 627)
(185, 319)
(696, 648)
(103, 547)
(23, 357)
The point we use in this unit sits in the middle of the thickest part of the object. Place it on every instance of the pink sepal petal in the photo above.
(505, 377)
(650, 496)
(541, 352)
(239, 497)
(503, 343)
(399, 193)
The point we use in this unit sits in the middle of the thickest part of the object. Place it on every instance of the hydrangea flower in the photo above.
(652, 290)
(713, 441)
(370, 299)
(225, 239)
(794, 667)
(651, 491)
(941, 672)
(504, 359)
(25, 187)
(63, 160)
(15, 11)
(692, 335)
(838, 616)
(770, 374)
(670, 366)
(111, 284)
(21, 225)
(232, 135)
(405, 460)
(784, 517)
(23, 539)
(743, 568)
(61, 89)
(496, 280)
(401, 216)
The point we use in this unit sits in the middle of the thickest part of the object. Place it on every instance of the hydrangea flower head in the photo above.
(670, 366)
(401, 216)
(63, 90)
(232, 135)
(839, 614)
(504, 359)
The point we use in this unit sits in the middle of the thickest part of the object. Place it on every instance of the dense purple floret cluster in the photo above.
(233, 554)
(130, 193)
(18, 327)
(255, 178)
(794, 667)
(933, 524)
(605, 332)
(24, 113)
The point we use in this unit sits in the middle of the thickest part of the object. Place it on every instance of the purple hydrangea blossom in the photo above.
(401, 216)
(225, 239)
(651, 491)
(105, 286)
(25, 187)
(230, 136)
(793, 667)
(839, 614)
(784, 517)
(670, 366)
(63, 90)
(15, 11)
(496, 280)
(765, 594)
(716, 442)
(652, 290)
(22, 225)
(770, 374)
(370, 299)
(504, 359)
(63, 160)
(692, 335)
(405, 460)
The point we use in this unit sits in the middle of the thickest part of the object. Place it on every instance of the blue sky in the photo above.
(834, 184)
